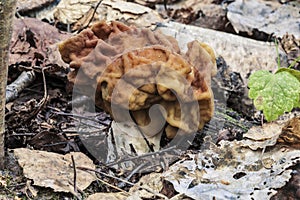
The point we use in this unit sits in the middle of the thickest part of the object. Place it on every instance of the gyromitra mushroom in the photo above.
(133, 69)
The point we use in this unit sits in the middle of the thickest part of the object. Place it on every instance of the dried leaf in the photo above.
(152, 182)
(49, 141)
(131, 13)
(55, 170)
(232, 171)
(29, 5)
(70, 12)
(246, 16)
(21, 112)
(126, 7)
(107, 196)
(33, 43)
(205, 13)
(291, 46)
(259, 137)
(291, 133)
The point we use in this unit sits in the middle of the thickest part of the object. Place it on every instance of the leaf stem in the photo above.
(277, 52)
(294, 62)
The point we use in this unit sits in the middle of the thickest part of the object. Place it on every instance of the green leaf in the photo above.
(295, 73)
(274, 93)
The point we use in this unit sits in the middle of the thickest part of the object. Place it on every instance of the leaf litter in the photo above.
(233, 170)
(78, 14)
(241, 150)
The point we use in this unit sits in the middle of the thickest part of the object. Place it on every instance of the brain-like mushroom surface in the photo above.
(133, 69)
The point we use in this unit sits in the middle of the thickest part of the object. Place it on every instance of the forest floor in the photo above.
(238, 154)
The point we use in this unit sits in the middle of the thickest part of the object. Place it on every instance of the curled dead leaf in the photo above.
(291, 133)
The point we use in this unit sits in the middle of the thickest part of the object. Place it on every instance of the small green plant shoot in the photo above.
(275, 93)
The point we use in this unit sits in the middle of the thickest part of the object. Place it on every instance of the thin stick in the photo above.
(119, 179)
(80, 117)
(91, 125)
(131, 174)
(75, 174)
(104, 174)
(110, 185)
(44, 99)
(98, 4)
(142, 156)
(23, 134)
(165, 4)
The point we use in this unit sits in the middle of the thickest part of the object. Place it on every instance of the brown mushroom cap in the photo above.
(133, 69)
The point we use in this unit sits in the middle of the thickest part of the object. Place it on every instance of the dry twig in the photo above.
(125, 181)
(75, 174)
(15, 88)
(143, 156)
(95, 9)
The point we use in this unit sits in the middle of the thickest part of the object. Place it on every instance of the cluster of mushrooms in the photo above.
(131, 69)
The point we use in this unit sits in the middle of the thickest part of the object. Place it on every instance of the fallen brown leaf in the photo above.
(53, 170)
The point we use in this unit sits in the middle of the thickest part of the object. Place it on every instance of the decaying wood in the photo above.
(7, 9)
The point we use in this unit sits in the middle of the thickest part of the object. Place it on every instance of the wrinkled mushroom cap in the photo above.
(134, 69)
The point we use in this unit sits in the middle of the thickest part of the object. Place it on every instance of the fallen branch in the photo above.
(14, 89)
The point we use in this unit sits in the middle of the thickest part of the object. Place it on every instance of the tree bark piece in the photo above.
(7, 9)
